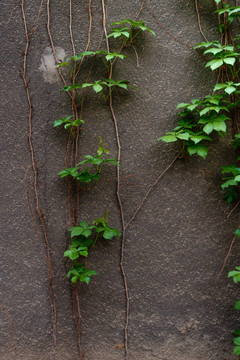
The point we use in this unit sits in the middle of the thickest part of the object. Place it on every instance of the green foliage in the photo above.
(68, 122)
(85, 235)
(107, 55)
(229, 87)
(222, 54)
(90, 174)
(99, 85)
(130, 30)
(235, 275)
(232, 12)
(83, 238)
(198, 120)
(231, 183)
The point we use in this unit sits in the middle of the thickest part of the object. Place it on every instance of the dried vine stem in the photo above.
(169, 34)
(227, 256)
(118, 194)
(12, 11)
(13, 330)
(23, 74)
(199, 21)
(70, 27)
(150, 189)
(234, 208)
(141, 9)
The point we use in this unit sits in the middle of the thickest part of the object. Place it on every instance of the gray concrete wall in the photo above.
(175, 247)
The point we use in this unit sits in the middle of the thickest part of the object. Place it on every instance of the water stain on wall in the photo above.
(48, 65)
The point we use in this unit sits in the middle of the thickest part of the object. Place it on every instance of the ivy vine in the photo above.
(200, 119)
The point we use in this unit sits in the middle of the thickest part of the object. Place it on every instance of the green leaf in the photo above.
(237, 307)
(196, 139)
(202, 151)
(233, 273)
(208, 128)
(84, 253)
(72, 254)
(237, 232)
(72, 272)
(236, 341)
(97, 88)
(236, 350)
(62, 120)
(214, 64)
(75, 279)
(229, 60)
(213, 51)
(230, 182)
(84, 224)
(65, 63)
(72, 87)
(198, 149)
(183, 136)
(87, 233)
(168, 138)
(76, 231)
(110, 233)
(70, 171)
(219, 126)
(230, 89)
(219, 87)
(182, 105)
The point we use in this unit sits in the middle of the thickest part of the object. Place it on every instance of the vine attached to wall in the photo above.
(85, 174)
(200, 119)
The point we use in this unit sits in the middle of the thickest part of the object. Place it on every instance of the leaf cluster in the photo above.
(108, 56)
(99, 85)
(232, 180)
(232, 12)
(235, 275)
(130, 30)
(198, 120)
(222, 54)
(83, 239)
(92, 173)
(68, 122)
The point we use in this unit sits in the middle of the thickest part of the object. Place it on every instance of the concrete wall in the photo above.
(175, 247)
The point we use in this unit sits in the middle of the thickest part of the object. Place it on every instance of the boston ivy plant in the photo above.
(91, 173)
(83, 238)
(199, 119)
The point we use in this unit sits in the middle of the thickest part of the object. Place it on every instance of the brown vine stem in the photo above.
(234, 208)
(141, 9)
(23, 74)
(151, 188)
(227, 256)
(13, 330)
(81, 110)
(118, 195)
(70, 27)
(137, 57)
(167, 32)
(199, 21)
(53, 47)
(77, 319)
(12, 11)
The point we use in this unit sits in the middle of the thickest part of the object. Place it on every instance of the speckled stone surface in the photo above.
(175, 248)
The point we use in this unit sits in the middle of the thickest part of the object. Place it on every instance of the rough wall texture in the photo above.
(176, 245)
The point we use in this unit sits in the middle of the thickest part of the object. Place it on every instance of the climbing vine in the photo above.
(86, 173)
(200, 119)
